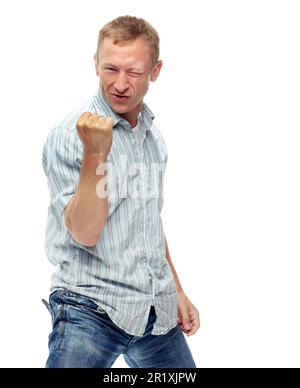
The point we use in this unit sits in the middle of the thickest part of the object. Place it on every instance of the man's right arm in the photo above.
(86, 213)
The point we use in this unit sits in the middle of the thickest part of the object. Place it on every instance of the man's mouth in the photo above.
(120, 97)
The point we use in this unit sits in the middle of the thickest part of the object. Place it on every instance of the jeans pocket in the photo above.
(79, 302)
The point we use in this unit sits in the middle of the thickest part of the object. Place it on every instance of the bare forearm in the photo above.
(86, 213)
(175, 276)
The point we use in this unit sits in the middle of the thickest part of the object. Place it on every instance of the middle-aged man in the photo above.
(115, 290)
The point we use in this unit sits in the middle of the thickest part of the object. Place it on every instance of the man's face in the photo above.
(125, 71)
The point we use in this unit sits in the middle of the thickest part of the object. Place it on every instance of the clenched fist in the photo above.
(95, 132)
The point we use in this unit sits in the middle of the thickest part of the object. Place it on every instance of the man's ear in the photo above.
(155, 71)
(96, 64)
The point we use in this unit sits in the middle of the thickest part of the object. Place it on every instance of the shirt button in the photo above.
(138, 171)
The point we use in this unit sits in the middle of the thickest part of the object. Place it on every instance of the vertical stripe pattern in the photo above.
(126, 271)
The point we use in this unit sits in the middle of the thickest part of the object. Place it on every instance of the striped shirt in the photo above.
(126, 271)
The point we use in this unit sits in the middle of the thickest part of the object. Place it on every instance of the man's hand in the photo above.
(188, 315)
(95, 132)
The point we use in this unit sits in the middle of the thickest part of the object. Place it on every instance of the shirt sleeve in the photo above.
(62, 159)
(160, 143)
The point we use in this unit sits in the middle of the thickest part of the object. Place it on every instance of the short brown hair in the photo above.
(126, 28)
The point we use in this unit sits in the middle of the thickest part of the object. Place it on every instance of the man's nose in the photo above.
(121, 83)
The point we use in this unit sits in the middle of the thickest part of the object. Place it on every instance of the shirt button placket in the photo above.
(138, 173)
(138, 147)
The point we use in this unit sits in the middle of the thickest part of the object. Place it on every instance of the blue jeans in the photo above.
(83, 336)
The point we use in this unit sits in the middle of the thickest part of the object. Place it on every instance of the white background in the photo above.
(227, 103)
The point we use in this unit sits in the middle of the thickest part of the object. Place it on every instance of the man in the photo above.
(115, 290)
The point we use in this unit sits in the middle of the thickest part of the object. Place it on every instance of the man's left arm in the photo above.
(188, 315)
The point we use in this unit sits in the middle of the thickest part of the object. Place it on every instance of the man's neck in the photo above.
(132, 117)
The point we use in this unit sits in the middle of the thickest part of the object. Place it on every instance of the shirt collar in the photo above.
(103, 108)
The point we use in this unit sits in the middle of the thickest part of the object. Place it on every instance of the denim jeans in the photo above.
(83, 336)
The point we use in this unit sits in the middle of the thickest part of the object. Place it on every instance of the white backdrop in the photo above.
(227, 103)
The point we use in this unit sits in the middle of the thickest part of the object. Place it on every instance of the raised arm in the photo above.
(87, 211)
